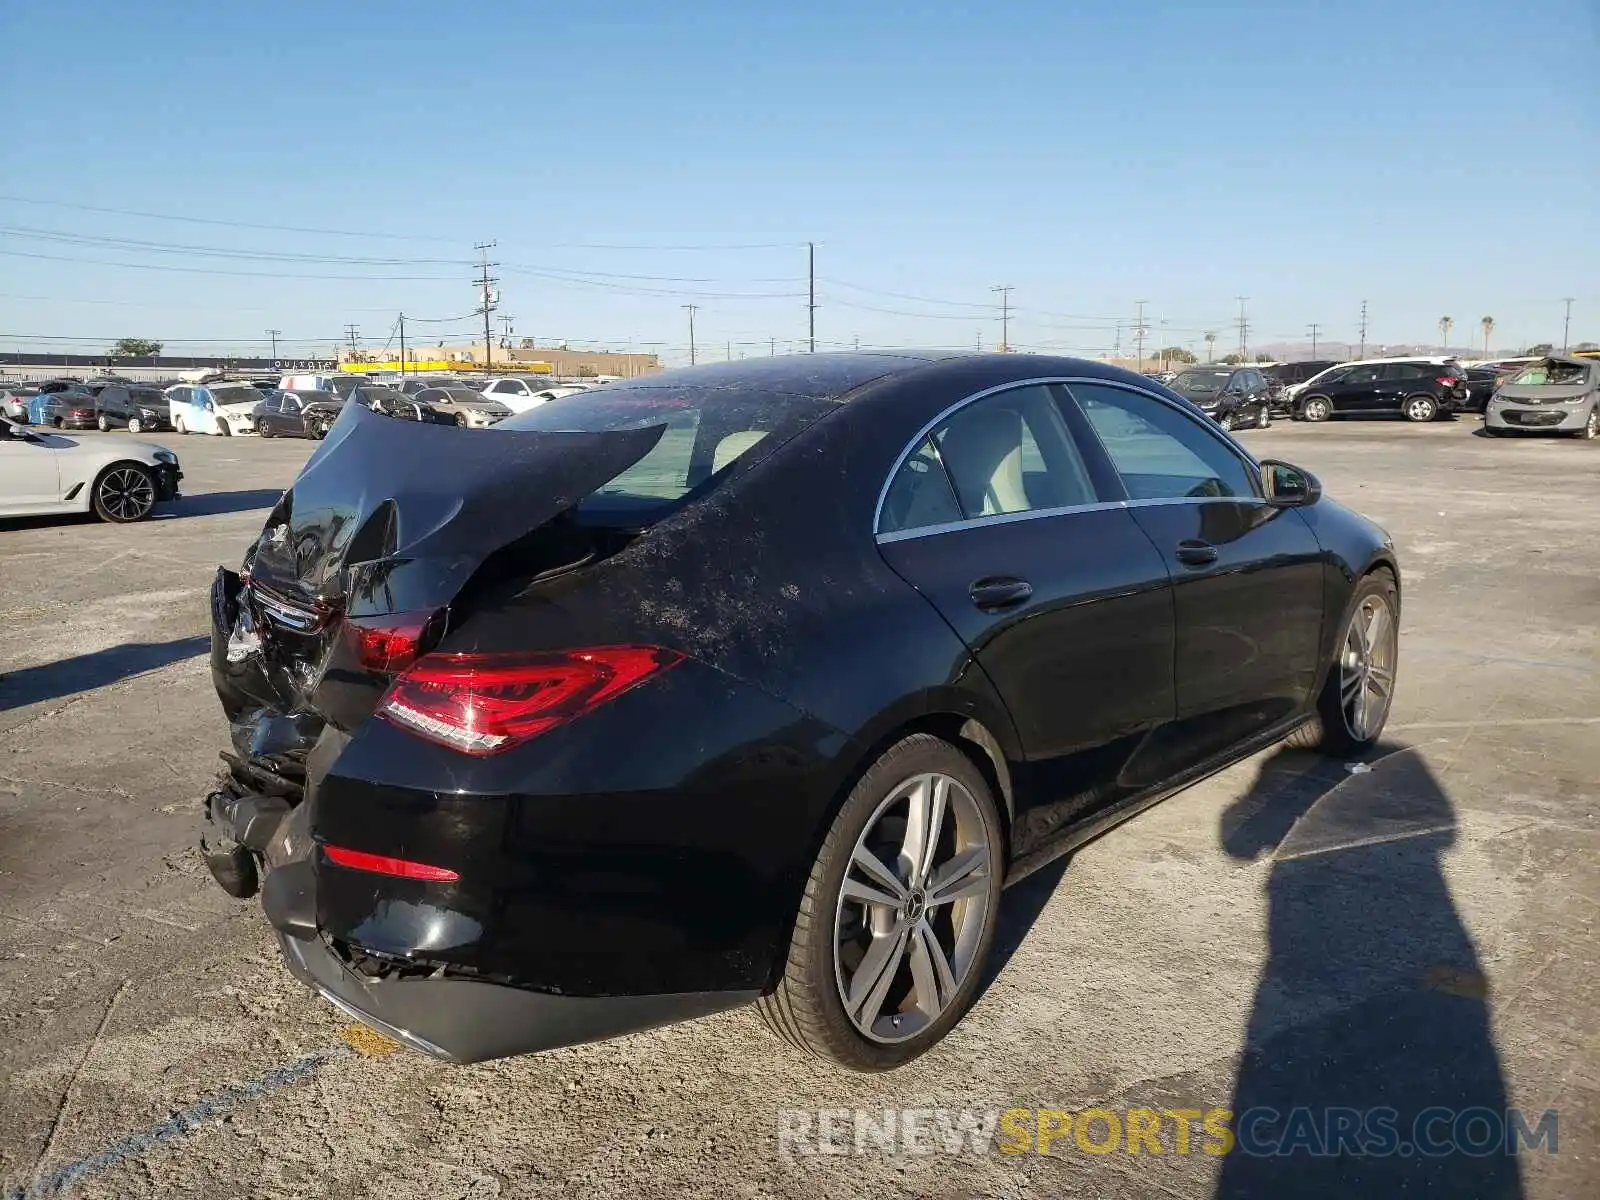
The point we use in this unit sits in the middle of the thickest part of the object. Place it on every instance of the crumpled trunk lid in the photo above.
(384, 526)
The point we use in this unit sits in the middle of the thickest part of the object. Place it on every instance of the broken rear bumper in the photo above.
(469, 1020)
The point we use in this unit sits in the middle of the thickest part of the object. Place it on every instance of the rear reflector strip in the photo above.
(382, 864)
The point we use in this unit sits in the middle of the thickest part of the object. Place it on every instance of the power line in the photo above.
(98, 262)
(399, 237)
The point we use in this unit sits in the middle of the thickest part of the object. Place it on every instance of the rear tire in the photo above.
(851, 918)
(1339, 728)
(1420, 409)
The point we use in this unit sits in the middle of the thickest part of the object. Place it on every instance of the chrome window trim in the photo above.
(1252, 467)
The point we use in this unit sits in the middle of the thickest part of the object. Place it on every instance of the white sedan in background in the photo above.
(519, 394)
(120, 481)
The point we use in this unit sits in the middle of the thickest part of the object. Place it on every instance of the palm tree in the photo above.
(1211, 341)
(1444, 328)
(1488, 328)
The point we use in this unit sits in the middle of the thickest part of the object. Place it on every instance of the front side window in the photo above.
(1159, 452)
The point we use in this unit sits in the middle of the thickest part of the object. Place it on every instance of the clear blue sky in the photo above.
(1429, 157)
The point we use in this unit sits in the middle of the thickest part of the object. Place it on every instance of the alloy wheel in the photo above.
(912, 907)
(1419, 409)
(135, 425)
(1263, 417)
(1316, 410)
(1591, 427)
(126, 493)
(1366, 668)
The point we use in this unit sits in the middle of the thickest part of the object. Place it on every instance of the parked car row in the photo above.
(290, 406)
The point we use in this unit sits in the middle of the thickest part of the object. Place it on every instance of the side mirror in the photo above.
(1289, 486)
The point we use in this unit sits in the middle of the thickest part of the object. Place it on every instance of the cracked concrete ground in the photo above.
(1286, 933)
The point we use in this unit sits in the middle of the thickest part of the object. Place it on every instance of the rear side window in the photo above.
(1413, 371)
(706, 430)
(1159, 452)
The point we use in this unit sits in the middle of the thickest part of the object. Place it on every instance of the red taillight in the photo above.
(1447, 381)
(391, 643)
(484, 704)
(382, 864)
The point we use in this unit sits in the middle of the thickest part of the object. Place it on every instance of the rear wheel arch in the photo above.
(968, 735)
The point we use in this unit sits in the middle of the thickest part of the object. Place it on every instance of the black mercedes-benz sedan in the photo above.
(755, 682)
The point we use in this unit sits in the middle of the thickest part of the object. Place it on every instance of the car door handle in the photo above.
(1194, 553)
(999, 592)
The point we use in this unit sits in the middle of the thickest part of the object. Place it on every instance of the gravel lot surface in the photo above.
(1289, 932)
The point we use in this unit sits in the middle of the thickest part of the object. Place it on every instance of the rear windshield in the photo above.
(147, 396)
(707, 430)
(344, 386)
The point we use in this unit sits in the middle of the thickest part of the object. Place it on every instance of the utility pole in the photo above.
(402, 345)
(1139, 330)
(1566, 324)
(1005, 290)
(1362, 353)
(505, 330)
(1314, 327)
(485, 283)
(353, 336)
(1244, 327)
(727, 355)
(273, 334)
(691, 309)
(772, 347)
(811, 293)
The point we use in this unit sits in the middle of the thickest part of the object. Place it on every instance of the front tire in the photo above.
(898, 915)
(1316, 408)
(1591, 427)
(135, 425)
(1356, 697)
(105, 425)
(1420, 409)
(124, 493)
(222, 428)
(180, 428)
(1264, 417)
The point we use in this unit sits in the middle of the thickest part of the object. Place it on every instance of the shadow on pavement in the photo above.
(85, 672)
(211, 504)
(1370, 1034)
(1020, 907)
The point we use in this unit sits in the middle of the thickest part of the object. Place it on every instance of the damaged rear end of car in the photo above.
(455, 774)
